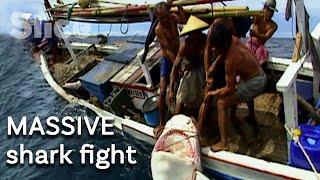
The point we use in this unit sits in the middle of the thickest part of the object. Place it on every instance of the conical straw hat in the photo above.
(193, 24)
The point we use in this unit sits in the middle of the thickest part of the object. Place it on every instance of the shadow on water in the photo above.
(24, 92)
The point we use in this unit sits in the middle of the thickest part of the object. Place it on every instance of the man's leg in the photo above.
(162, 105)
(201, 121)
(252, 116)
(179, 107)
(222, 105)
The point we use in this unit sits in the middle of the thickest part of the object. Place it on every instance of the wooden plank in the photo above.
(290, 75)
(280, 64)
(290, 111)
(316, 78)
(133, 71)
(58, 27)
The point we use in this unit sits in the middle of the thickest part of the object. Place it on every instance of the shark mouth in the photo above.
(178, 143)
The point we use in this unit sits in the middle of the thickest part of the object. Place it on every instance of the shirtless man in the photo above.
(215, 78)
(239, 61)
(190, 93)
(168, 37)
(262, 30)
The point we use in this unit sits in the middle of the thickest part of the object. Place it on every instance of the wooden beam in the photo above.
(309, 108)
(287, 85)
(290, 111)
(58, 27)
(145, 69)
(281, 64)
(301, 23)
(290, 75)
(316, 78)
(297, 48)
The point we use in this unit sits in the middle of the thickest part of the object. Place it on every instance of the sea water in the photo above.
(24, 91)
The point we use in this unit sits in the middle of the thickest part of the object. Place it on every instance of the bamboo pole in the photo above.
(310, 109)
(194, 2)
(143, 18)
(174, 9)
(231, 14)
(146, 7)
(135, 11)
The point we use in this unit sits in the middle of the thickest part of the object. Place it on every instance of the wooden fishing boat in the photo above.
(117, 85)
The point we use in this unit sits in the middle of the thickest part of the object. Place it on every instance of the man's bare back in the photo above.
(243, 61)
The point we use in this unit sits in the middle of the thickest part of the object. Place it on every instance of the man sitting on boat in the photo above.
(262, 30)
(239, 61)
(168, 37)
(190, 92)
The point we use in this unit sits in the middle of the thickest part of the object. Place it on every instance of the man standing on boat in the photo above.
(189, 60)
(168, 37)
(262, 30)
(239, 61)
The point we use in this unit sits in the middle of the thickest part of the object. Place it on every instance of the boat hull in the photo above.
(222, 164)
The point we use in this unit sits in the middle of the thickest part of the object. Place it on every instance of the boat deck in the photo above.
(132, 72)
(271, 141)
(272, 136)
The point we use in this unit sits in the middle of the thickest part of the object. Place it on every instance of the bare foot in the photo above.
(203, 142)
(158, 131)
(219, 147)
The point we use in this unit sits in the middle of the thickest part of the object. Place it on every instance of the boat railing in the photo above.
(287, 86)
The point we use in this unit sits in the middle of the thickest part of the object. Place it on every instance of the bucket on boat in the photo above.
(310, 140)
(151, 111)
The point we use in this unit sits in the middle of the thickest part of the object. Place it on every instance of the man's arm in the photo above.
(175, 70)
(267, 35)
(180, 16)
(213, 67)
(230, 82)
(207, 55)
(165, 46)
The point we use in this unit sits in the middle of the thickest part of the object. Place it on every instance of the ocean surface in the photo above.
(24, 92)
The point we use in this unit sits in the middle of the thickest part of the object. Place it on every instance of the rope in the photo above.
(70, 10)
(125, 17)
(296, 139)
(110, 28)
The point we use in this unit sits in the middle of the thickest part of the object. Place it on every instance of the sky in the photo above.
(36, 7)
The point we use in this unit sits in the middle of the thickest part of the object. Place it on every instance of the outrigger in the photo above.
(112, 81)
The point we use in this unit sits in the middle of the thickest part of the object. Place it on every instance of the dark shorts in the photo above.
(251, 88)
(166, 67)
